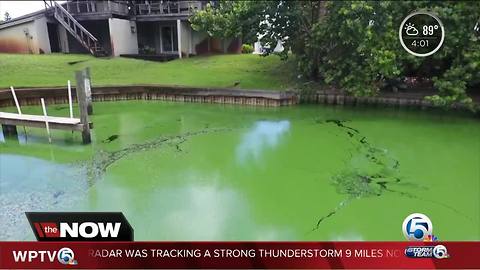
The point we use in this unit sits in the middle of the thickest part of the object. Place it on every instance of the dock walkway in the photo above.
(27, 120)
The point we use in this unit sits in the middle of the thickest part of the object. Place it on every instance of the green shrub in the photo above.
(247, 48)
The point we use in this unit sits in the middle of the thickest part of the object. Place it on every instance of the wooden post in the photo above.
(82, 104)
(16, 100)
(9, 131)
(18, 109)
(70, 102)
(46, 119)
(88, 90)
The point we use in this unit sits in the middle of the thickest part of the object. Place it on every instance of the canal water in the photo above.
(183, 171)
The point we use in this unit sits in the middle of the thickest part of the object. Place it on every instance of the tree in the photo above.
(226, 19)
(7, 17)
(354, 45)
(364, 52)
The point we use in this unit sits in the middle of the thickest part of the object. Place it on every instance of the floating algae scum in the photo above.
(186, 171)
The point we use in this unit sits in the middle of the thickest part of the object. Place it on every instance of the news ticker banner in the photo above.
(285, 255)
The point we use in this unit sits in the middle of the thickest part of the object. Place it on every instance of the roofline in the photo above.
(23, 19)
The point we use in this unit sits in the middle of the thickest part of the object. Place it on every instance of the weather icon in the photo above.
(410, 29)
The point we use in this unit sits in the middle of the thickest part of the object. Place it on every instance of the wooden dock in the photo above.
(27, 120)
(10, 121)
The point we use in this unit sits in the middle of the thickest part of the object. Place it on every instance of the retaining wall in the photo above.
(58, 95)
(399, 99)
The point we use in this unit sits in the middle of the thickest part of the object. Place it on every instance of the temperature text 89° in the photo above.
(428, 29)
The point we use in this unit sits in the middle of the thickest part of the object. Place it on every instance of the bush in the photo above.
(247, 48)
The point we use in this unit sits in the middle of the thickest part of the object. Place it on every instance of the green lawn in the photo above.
(251, 71)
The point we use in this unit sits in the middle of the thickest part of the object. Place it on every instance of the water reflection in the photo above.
(39, 136)
(211, 212)
(263, 135)
(198, 207)
(20, 138)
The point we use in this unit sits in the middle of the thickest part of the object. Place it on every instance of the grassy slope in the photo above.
(252, 71)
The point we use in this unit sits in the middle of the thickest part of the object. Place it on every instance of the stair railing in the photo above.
(76, 29)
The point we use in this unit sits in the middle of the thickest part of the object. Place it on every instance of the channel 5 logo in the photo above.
(66, 256)
(418, 227)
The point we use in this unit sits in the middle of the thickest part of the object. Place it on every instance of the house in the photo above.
(112, 28)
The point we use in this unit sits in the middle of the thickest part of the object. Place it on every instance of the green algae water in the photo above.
(182, 171)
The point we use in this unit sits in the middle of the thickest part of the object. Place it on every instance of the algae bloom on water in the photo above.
(215, 172)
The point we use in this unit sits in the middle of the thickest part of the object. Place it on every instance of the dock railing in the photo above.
(77, 30)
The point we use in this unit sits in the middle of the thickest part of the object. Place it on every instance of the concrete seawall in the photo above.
(384, 99)
(31, 96)
(58, 95)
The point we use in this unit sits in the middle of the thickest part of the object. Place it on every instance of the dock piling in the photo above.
(80, 77)
(88, 90)
(9, 131)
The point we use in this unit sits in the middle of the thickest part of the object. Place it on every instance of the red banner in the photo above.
(319, 255)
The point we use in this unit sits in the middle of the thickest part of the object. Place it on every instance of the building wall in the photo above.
(184, 32)
(123, 39)
(28, 37)
(63, 39)
(41, 35)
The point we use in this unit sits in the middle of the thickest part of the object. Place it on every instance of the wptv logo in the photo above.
(64, 256)
(418, 227)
